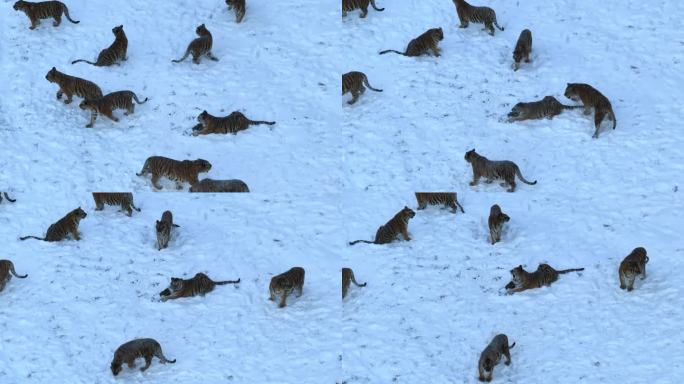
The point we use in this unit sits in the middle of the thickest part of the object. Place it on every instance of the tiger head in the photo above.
(516, 111)
(639, 253)
(201, 30)
(437, 34)
(203, 117)
(176, 284)
(20, 5)
(471, 155)
(161, 226)
(86, 104)
(408, 213)
(78, 213)
(116, 367)
(202, 165)
(52, 74)
(571, 92)
(117, 30)
(517, 275)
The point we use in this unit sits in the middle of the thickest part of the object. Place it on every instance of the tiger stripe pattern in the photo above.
(163, 228)
(591, 98)
(347, 279)
(491, 356)
(113, 54)
(106, 105)
(632, 266)
(122, 199)
(199, 285)
(447, 199)
(44, 10)
(6, 272)
(67, 225)
(354, 82)
(138, 348)
(200, 46)
(218, 186)
(481, 15)
(7, 198)
(350, 5)
(176, 170)
(239, 7)
(548, 107)
(523, 48)
(397, 225)
(285, 284)
(545, 275)
(233, 123)
(72, 85)
(496, 222)
(423, 44)
(492, 170)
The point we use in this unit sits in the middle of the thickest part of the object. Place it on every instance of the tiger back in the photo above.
(397, 225)
(446, 199)
(122, 199)
(233, 123)
(198, 285)
(67, 225)
(240, 8)
(286, 283)
(494, 169)
(354, 82)
(523, 48)
(220, 186)
(163, 228)
(178, 171)
(423, 44)
(496, 222)
(350, 5)
(632, 266)
(590, 98)
(113, 54)
(545, 275)
(548, 107)
(6, 272)
(110, 102)
(71, 85)
(347, 279)
(200, 46)
(481, 15)
(44, 10)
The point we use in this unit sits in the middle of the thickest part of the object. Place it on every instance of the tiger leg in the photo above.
(110, 115)
(527, 57)
(155, 180)
(364, 12)
(511, 182)
(355, 96)
(476, 179)
(212, 57)
(344, 13)
(405, 234)
(464, 24)
(422, 205)
(299, 290)
(493, 235)
(598, 118)
(587, 110)
(507, 354)
(453, 206)
(99, 205)
(131, 363)
(345, 288)
(58, 20)
(2, 285)
(179, 185)
(435, 50)
(195, 58)
(75, 234)
(93, 117)
(69, 96)
(271, 295)
(148, 362)
(630, 282)
(127, 208)
(130, 109)
(490, 28)
(59, 94)
(34, 22)
(622, 281)
(283, 299)
(643, 271)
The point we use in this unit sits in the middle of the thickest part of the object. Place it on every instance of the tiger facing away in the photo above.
(67, 225)
(354, 82)
(233, 123)
(43, 10)
(7, 198)
(108, 103)
(163, 228)
(199, 47)
(590, 98)
(113, 54)
(145, 348)
(447, 199)
(347, 279)
(350, 5)
(491, 356)
(548, 107)
(398, 225)
(423, 44)
(481, 15)
(200, 285)
(284, 284)
(496, 222)
(543, 276)
(523, 48)
(491, 170)
(632, 266)
(239, 7)
(179, 171)
(6, 272)
(216, 186)
(71, 85)
(122, 199)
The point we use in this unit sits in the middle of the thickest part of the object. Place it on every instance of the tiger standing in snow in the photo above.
(199, 47)
(354, 82)
(491, 356)
(423, 44)
(494, 169)
(108, 103)
(6, 272)
(496, 222)
(632, 266)
(145, 348)
(163, 228)
(284, 284)
(447, 199)
(72, 85)
(347, 279)
(523, 48)
(113, 54)
(176, 170)
(591, 98)
(481, 15)
(122, 199)
(350, 5)
(44, 10)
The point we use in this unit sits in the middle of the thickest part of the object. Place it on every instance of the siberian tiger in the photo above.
(471, 14)
(350, 5)
(43, 10)
(215, 186)
(145, 348)
(6, 272)
(284, 284)
(239, 6)
(632, 266)
(108, 103)
(491, 356)
(347, 279)
(233, 123)
(122, 199)
(496, 222)
(71, 85)
(163, 228)
(490, 170)
(548, 107)
(543, 276)
(112, 54)
(447, 199)
(423, 44)
(7, 197)
(63, 227)
(523, 48)
(199, 47)
(179, 171)
(354, 82)
(200, 285)
(398, 225)
(591, 98)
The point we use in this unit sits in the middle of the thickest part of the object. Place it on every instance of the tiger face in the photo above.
(203, 117)
(201, 30)
(20, 5)
(202, 165)
(470, 155)
(52, 75)
(117, 30)
(571, 93)
(437, 34)
(79, 213)
(517, 110)
(408, 212)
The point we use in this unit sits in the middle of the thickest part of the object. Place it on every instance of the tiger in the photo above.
(200, 285)
(447, 199)
(214, 186)
(6, 272)
(548, 107)
(633, 265)
(423, 44)
(347, 279)
(491, 356)
(179, 171)
(490, 170)
(7, 198)
(44, 10)
(350, 5)
(123, 199)
(239, 6)
(199, 47)
(284, 284)
(523, 48)
(591, 98)
(354, 82)
(233, 123)
(496, 222)
(112, 54)
(543, 276)
(471, 14)
(398, 225)
(67, 225)
(72, 85)
(163, 228)
(145, 348)
(106, 105)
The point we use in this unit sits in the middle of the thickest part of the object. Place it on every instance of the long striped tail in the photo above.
(138, 101)
(258, 122)
(365, 82)
(571, 270)
(498, 26)
(361, 241)
(392, 50)
(227, 282)
(520, 176)
(8, 198)
(612, 114)
(83, 61)
(375, 7)
(32, 237)
(187, 53)
(15, 273)
(66, 13)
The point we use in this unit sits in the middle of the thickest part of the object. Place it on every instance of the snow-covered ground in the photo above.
(328, 173)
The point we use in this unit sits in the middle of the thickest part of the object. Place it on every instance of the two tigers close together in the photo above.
(178, 171)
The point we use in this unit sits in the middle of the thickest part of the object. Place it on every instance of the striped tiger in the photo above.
(72, 85)
(347, 279)
(106, 105)
(200, 285)
(215, 186)
(7, 197)
(548, 107)
(122, 199)
(284, 284)
(523, 48)
(199, 47)
(350, 5)
(163, 228)
(491, 170)
(6, 272)
(491, 356)
(496, 222)
(398, 225)
(481, 15)
(145, 348)
(354, 82)
(447, 199)
(44, 10)
(632, 266)
(240, 8)
(233, 123)
(423, 44)
(590, 98)
(177, 170)
(112, 54)
(67, 225)
(543, 276)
